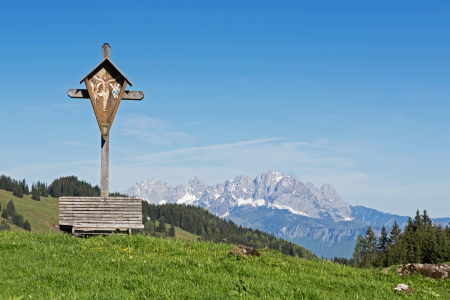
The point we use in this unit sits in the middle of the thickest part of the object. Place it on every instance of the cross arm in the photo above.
(127, 95)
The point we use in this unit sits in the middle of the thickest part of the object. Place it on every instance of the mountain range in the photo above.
(315, 218)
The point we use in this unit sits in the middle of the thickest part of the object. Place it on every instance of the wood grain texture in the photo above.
(94, 106)
(117, 105)
(96, 213)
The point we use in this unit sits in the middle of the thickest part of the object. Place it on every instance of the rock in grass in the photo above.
(243, 251)
(403, 288)
(435, 271)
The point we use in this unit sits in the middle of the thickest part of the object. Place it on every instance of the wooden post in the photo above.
(105, 167)
(106, 51)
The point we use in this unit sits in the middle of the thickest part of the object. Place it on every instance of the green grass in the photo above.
(49, 266)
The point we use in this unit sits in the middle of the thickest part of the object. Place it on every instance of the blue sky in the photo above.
(355, 95)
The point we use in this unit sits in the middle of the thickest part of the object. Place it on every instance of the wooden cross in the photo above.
(105, 87)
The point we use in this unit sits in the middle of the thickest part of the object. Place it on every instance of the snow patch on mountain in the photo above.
(241, 201)
(290, 209)
(259, 202)
(187, 199)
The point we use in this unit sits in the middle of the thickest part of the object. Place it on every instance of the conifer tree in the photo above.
(144, 217)
(27, 225)
(11, 209)
(443, 245)
(382, 246)
(35, 193)
(369, 248)
(418, 237)
(18, 192)
(162, 224)
(410, 243)
(25, 187)
(394, 234)
(426, 219)
(172, 230)
(149, 226)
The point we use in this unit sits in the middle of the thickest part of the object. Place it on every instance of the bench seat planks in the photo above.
(95, 214)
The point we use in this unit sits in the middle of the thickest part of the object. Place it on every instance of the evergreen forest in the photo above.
(421, 241)
(62, 187)
(208, 227)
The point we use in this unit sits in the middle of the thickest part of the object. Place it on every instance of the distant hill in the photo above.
(199, 221)
(43, 215)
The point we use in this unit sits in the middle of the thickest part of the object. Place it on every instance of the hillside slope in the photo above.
(142, 267)
(44, 215)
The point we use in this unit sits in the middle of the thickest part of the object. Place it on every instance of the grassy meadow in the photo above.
(44, 215)
(51, 266)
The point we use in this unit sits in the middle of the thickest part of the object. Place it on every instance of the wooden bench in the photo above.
(95, 215)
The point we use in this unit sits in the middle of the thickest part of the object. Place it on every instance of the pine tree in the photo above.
(394, 234)
(144, 217)
(187, 225)
(426, 219)
(35, 193)
(382, 246)
(410, 242)
(429, 243)
(172, 230)
(11, 209)
(162, 224)
(27, 225)
(4, 214)
(18, 192)
(56, 189)
(369, 248)
(25, 187)
(443, 245)
(149, 226)
(418, 237)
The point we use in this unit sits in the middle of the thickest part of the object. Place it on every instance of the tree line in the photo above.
(9, 214)
(343, 261)
(201, 222)
(422, 241)
(19, 188)
(64, 186)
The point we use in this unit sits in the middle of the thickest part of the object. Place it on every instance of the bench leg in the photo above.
(129, 231)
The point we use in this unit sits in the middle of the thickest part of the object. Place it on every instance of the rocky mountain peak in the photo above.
(271, 190)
